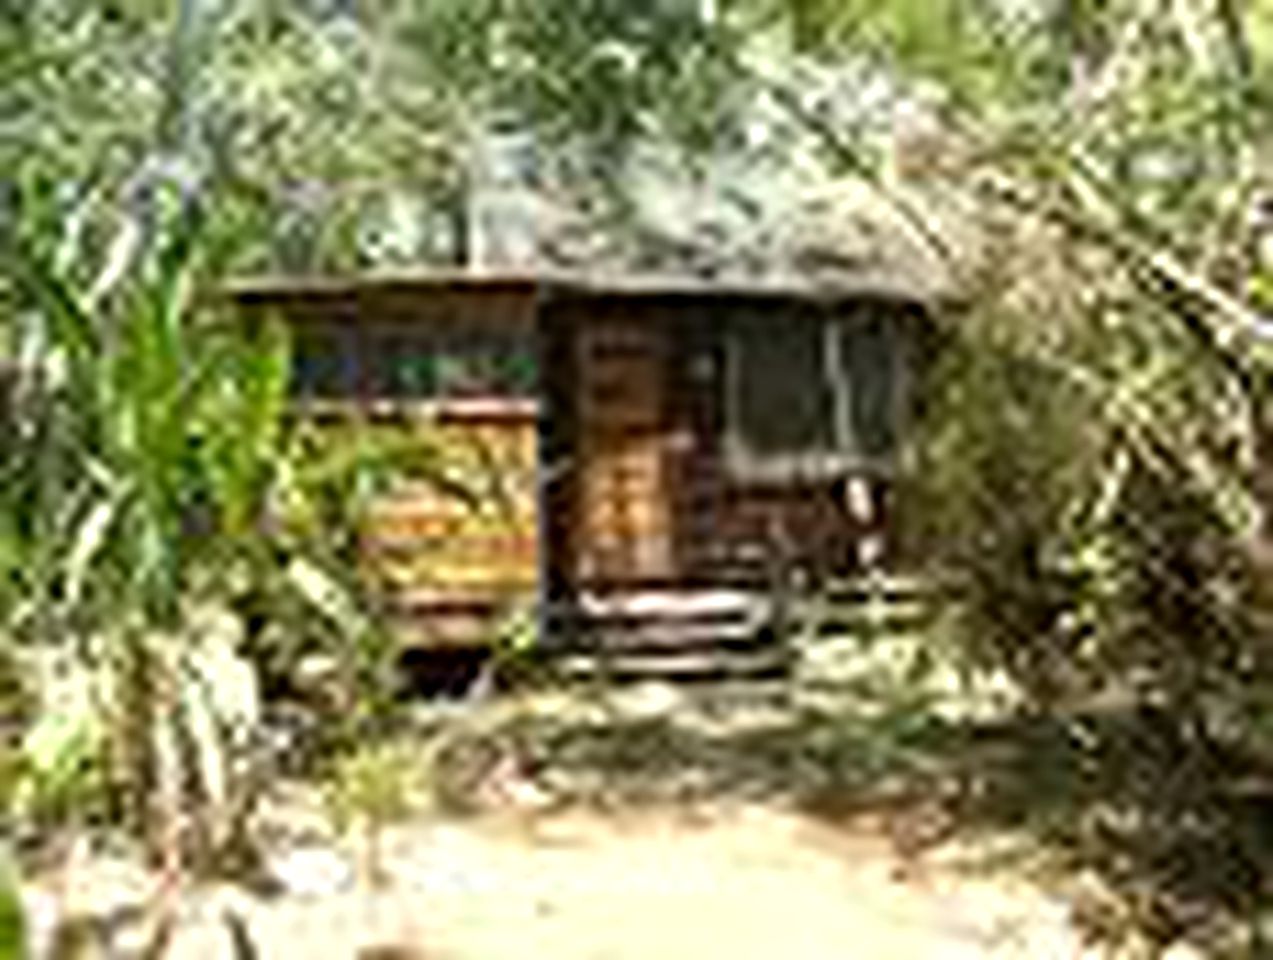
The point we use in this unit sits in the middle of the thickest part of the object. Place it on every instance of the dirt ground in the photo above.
(747, 883)
(718, 871)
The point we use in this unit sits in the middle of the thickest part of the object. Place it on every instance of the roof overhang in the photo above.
(564, 286)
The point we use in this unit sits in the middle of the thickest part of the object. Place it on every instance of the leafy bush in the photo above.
(368, 789)
(1082, 495)
(13, 944)
(153, 516)
(1081, 492)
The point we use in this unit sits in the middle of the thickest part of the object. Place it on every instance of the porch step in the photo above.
(861, 605)
(672, 635)
(699, 635)
(686, 666)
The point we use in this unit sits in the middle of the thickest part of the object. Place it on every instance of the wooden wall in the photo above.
(459, 555)
(453, 543)
(611, 474)
(650, 498)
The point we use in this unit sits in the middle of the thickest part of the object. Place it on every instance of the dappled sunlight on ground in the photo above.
(659, 824)
(739, 882)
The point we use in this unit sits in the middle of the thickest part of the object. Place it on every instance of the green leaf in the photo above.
(61, 748)
(327, 595)
(90, 539)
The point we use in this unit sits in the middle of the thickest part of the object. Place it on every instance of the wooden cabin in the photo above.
(656, 457)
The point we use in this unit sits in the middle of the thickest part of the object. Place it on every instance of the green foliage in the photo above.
(12, 922)
(1084, 480)
(369, 789)
(328, 122)
(17, 706)
(148, 495)
(371, 785)
(59, 763)
(1087, 482)
(1111, 554)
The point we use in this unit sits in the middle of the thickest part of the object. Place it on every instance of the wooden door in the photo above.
(623, 517)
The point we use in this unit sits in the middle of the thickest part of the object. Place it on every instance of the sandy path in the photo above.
(745, 885)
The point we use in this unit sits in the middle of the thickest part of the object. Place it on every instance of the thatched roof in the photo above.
(828, 252)
(742, 228)
(738, 226)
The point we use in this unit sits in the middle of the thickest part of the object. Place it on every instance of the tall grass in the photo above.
(156, 503)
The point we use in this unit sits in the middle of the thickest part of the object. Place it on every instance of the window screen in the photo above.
(810, 388)
(322, 363)
(868, 354)
(439, 365)
(403, 369)
(332, 362)
(782, 396)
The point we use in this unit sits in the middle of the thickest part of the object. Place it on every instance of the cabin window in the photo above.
(783, 403)
(322, 363)
(869, 356)
(400, 368)
(811, 393)
(485, 366)
(412, 365)
(450, 366)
